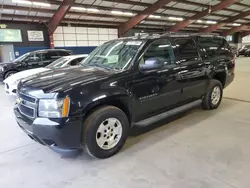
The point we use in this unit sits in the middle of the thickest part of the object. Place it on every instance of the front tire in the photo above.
(214, 95)
(105, 132)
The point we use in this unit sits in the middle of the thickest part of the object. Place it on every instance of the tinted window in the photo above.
(50, 55)
(35, 57)
(186, 49)
(160, 49)
(214, 46)
(76, 61)
(63, 53)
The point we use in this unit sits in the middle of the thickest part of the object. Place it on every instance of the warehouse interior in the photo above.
(194, 149)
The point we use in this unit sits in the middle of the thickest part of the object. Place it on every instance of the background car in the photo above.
(247, 53)
(36, 59)
(243, 50)
(12, 81)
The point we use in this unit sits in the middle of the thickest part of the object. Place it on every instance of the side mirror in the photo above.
(151, 65)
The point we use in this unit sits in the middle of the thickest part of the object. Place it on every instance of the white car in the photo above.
(12, 81)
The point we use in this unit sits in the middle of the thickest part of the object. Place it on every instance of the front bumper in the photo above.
(61, 135)
(10, 89)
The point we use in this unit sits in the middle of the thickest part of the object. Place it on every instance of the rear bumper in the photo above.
(61, 135)
(229, 79)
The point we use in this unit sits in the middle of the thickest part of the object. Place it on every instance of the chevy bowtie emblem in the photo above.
(19, 100)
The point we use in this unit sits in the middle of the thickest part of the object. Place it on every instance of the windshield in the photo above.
(59, 63)
(21, 57)
(245, 46)
(116, 54)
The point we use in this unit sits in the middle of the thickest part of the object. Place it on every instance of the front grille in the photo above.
(27, 105)
(27, 98)
(27, 111)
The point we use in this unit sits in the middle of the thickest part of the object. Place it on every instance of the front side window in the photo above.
(21, 58)
(186, 49)
(35, 57)
(116, 54)
(160, 49)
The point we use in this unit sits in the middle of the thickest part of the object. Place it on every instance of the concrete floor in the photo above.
(204, 149)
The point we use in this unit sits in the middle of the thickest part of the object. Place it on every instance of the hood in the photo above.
(5, 63)
(23, 74)
(65, 79)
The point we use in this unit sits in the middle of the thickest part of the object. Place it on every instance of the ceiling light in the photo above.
(32, 3)
(42, 4)
(128, 13)
(78, 8)
(116, 12)
(199, 21)
(154, 16)
(236, 24)
(22, 1)
(211, 22)
(92, 9)
(122, 13)
(175, 18)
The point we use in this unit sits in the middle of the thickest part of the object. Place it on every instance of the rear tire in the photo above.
(214, 95)
(8, 74)
(105, 132)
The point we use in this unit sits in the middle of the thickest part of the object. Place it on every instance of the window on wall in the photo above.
(229, 38)
(186, 49)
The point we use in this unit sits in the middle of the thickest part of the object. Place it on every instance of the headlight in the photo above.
(52, 108)
(17, 82)
(1, 69)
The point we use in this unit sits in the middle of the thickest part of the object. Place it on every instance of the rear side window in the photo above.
(214, 46)
(64, 53)
(186, 49)
(50, 55)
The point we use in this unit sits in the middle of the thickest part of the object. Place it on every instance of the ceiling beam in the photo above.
(246, 33)
(141, 16)
(234, 30)
(229, 20)
(219, 6)
(143, 4)
(60, 14)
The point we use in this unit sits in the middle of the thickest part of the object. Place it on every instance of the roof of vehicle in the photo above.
(76, 56)
(49, 50)
(171, 34)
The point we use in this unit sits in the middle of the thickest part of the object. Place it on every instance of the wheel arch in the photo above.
(220, 76)
(11, 70)
(120, 101)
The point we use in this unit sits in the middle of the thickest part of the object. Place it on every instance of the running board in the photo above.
(151, 120)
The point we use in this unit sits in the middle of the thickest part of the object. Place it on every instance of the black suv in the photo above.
(36, 59)
(244, 50)
(123, 83)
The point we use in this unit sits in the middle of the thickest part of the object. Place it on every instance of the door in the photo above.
(191, 69)
(154, 92)
(7, 53)
(30, 62)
